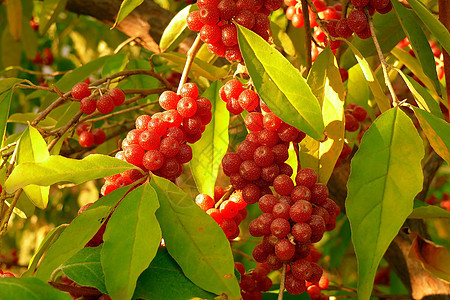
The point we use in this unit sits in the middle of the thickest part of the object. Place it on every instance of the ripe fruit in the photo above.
(81, 90)
(86, 139)
(117, 96)
(88, 105)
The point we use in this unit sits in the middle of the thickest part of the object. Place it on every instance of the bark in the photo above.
(146, 23)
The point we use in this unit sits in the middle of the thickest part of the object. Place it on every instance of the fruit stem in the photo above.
(189, 60)
(383, 62)
(283, 277)
(5, 221)
(307, 25)
(444, 17)
(225, 196)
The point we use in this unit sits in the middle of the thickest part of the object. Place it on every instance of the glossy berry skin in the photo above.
(210, 34)
(88, 106)
(254, 121)
(232, 89)
(117, 96)
(105, 104)
(357, 21)
(134, 154)
(306, 177)
(153, 160)
(189, 90)
(99, 136)
(343, 30)
(148, 140)
(193, 21)
(142, 121)
(187, 107)
(81, 90)
(248, 100)
(169, 100)
(86, 139)
(204, 201)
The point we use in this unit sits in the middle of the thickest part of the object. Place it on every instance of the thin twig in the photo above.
(307, 25)
(8, 146)
(4, 223)
(383, 62)
(121, 112)
(63, 130)
(189, 60)
(225, 196)
(282, 279)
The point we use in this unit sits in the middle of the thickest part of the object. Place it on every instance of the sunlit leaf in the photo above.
(14, 14)
(177, 30)
(29, 288)
(133, 234)
(195, 241)
(49, 12)
(280, 85)
(425, 211)
(126, 8)
(208, 152)
(385, 177)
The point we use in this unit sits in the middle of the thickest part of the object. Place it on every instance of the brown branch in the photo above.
(189, 60)
(282, 279)
(307, 25)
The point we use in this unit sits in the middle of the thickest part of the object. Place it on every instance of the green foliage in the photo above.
(133, 234)
(195, 241)
(385, 176)
(280, 85)
(29, 288)
(57, 168)
(126, 8)
(176, 31)
(208, 152)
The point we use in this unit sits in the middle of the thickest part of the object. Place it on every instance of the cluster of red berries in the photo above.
(46, 58)
(356, 21)
(261, 157)
(88, 136)
(104, 104)
(290, 224)
(444, 202)
(238, 98)
(354, 114)
(253, 283)
(436, 52)
(215, 18)
(229, 213)
(314, 289)
(158, 144)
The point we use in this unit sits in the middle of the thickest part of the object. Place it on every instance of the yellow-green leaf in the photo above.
(49, 13)
(14, 13)
(126, 8)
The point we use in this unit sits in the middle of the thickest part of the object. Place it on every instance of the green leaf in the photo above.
(61, 169)
(199, 67)
(5, 103)
(425, 211)
(114, 64)
(141, 81)
(208, 152)
(49, 239)
(434, 25)
(423, 99)
(14, 14)
(282, 39)
(71, 108)
(437, 131)
(85, 268)
(413, 65)
(358, 91)
(49, 12)
(381, 99)
(33, 148)
(177, 30)
(29, 288)
(388, 35)
(280, 85)
(79, 232)
(11, 51)
(24, 118)
(326, 84)
(126, 8)
(385, 177)
(164, 279)
(418, 40)
(29, 40)
(195, 241)
(24, 207)
(134, 235)
(7, 83)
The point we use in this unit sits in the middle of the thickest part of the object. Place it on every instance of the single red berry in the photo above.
(142, 121)
(233, 53)
(301, 211)
(88, 106)
(209, 14)
(360, 3)
(359, 113)
(227, 9)
(283, 185)
(86, 139)
(187, 107)
(248, 100)
(229, 35)
(254, 121)
(184, 154)
(117, 95)
(193, 21)
(204, 201)
(271, 121)
(158, 126)
(83, 127)
(105, 104)
(148, 140)
(357, 21)
(169, 147)
(285, 250)
(344, 74)
(351, 124)
(169, 100)
(133, 136)
(215, 214)
(134, 154)
(306, 177)
(81, 90)
(268, 138)
(99, 136)
(153, 160)
(249, 170)
(210, 33)
(189, 89)
(273, 5)
(234, 107)
(343, 30)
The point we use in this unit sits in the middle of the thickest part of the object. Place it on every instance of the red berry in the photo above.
(158, 126)
(285, 250)
(153, 160)
(189, 89)
(134, 154)
(351, 124)
(87, 105)
(142, 121)
(99, 136)
(148, 140)
(248, 100)
(234, 107)
(271, 122)
(209, 14)
(187, 107)
(227, 9)
(229, 35)
(283, 184)
(117, 96)
(254, 121)
(193, 21)
(306, 177)
(360, 3)
(204, 201)
(86, 139)
(105, 104)
(357, 21)
(215, 214)
(343, 30)
(301, 211)
(210, 34)
(359, 113)
(293, 285)
(169, 100)
(81, 90)
(245, 18)
(169, 147)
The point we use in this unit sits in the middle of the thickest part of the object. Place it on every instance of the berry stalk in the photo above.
(189, 60)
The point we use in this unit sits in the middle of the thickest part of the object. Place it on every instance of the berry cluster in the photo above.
(354, 114)
(290, 224)
(238, 98)
(229, 214)
(45, 59)
(104, 104)
(356, 21)
(158, 144)
(261, 157)
(215, 18)
(253, 283)
(87, 136)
